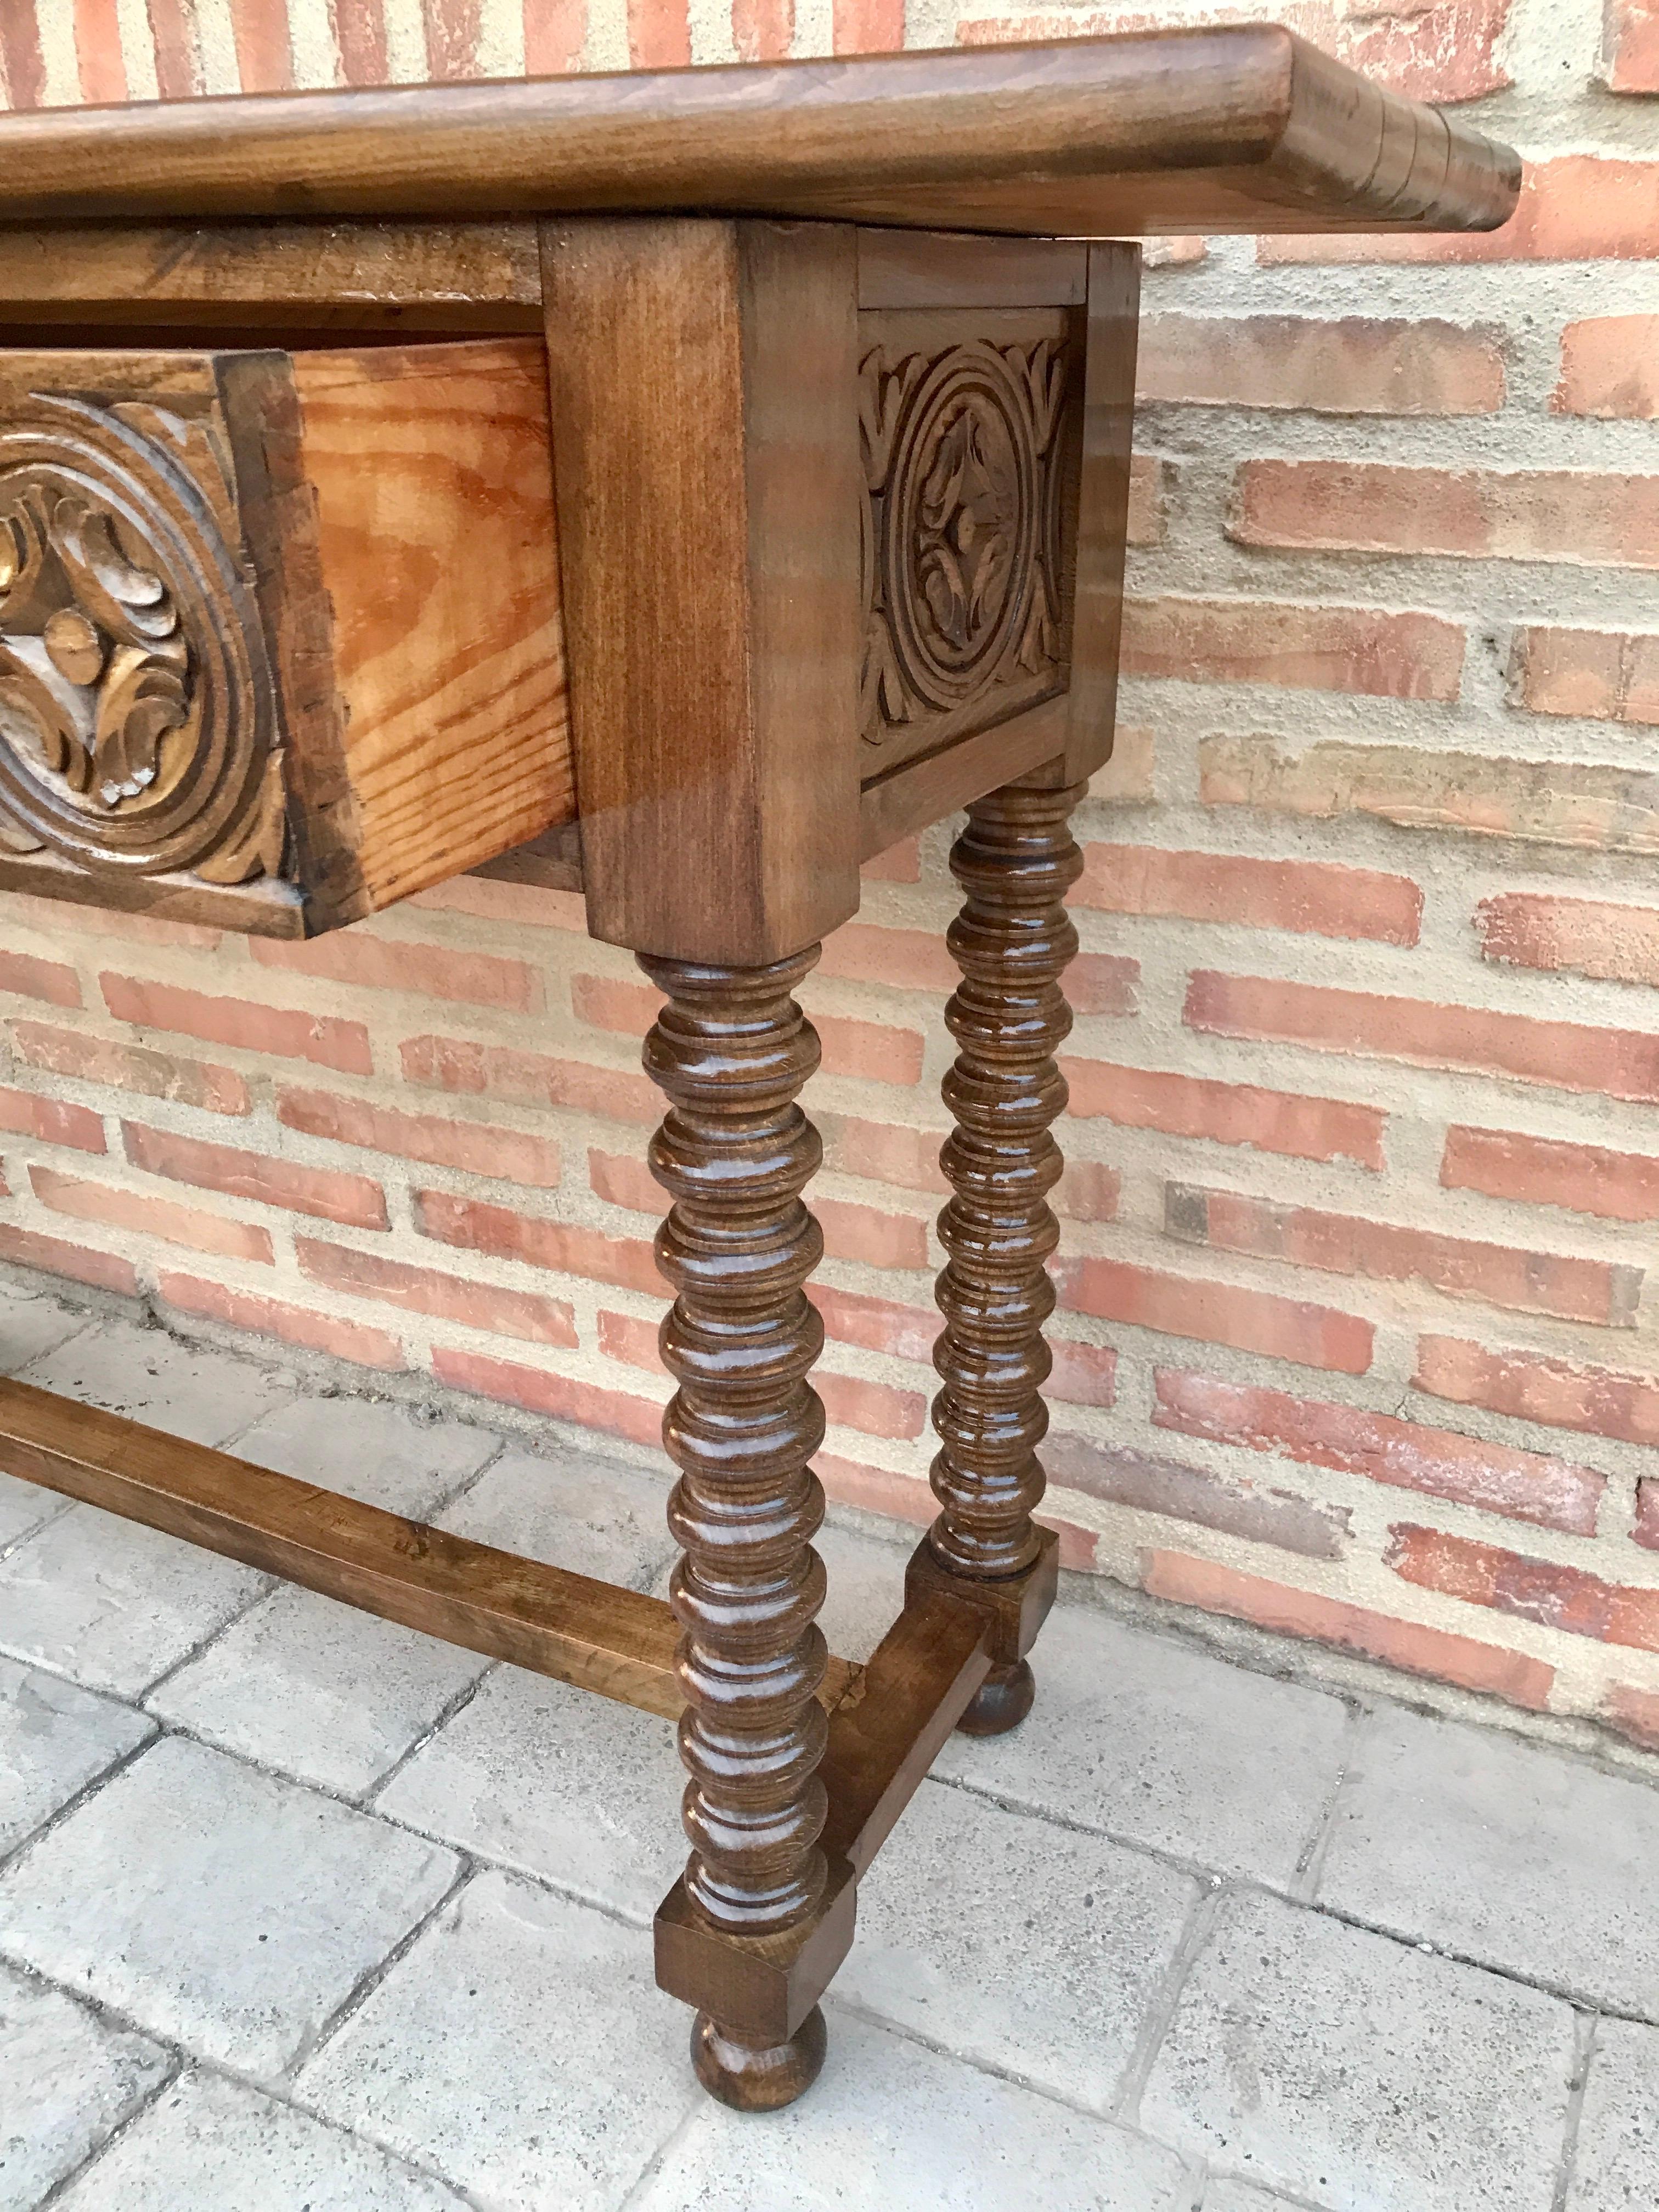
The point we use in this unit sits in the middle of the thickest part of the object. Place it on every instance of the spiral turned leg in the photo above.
(732, 1050)
(1015, 860)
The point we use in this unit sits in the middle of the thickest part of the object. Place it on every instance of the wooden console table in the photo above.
(670, 487)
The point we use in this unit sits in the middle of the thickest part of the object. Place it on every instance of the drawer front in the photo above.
(280, 638)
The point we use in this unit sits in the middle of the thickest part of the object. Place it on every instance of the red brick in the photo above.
(1087, 1192)
(1101, 983)
(1151, 480)
(31, 978)
(877, 1409)
(621, 1004)
(451, 38)
(99, 67)
(560, 1396)
(52, 1121)
(1589, 805)
(898, 959)
(555, 33)
(567, 1247)
(1578, 207)
(867, 1233)
(173, 31)
(1646, 1530)
(636, 1343)
(1585, 516)
(1444, 52)
(624, 1179)
(1570, 1288)
(1611, 675)
(876, 1324)
(1322, 648)
(1403, 1643)
(899, 863)
(1545, 1171)
(1127, 778)
(283, 1031)
(28, 1248)
(351, 956)
(529, 1078)
(1634, 1713)
(84, 1200)
(1217, 1313)
(658, 33)
(882, 1152)
(1566, 1055)
(1150, 1484)
(1227, 1113)
(428, 1291)
(1567, 1599)
(1328, 365)
(1600, 1400)
(1630, 46)
(1083, 1374)
(470, 1147)
(1582, 937)
(875, 1489)
(1610, 367)
(263, 1316)
(264, 61)
(1554, 1494)
(352, 1200)
(1311, 896)
(131, 1068)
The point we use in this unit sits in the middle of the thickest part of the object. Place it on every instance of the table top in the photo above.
(1246, 128)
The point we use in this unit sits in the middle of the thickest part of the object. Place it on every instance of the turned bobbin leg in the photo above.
(1015, 860)
(731, 1050)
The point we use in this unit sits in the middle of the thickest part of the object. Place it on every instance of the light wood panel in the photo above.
(433, 478)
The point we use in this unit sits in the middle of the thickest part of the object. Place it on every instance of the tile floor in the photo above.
(301, 1913)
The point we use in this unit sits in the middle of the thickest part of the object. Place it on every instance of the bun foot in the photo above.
(1001, 1702)
(758, 2081)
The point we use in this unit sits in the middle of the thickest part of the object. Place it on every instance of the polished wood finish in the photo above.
(543, 1618)
(731, 1050)
(1102, 496)
(840, 525)
(705, 440)
(1242, 129)
(1015, 861)
(921, 792)
(920, 1681)
(456, 277)
(551, 1621)
(945, 269)
(279, 633)
(969, 430)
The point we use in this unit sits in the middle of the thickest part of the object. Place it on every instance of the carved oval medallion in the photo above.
(136, 716)
(961, 524)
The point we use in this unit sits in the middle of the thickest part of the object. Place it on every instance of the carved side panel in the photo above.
(138, 727)
(969, 428)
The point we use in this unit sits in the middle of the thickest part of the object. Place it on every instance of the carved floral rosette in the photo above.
(137, 718)
(963, 553)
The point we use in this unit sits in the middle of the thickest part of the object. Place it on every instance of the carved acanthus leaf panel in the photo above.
(968, 427)
(137, 723)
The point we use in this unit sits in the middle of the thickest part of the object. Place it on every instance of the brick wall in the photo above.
(1355, 1337)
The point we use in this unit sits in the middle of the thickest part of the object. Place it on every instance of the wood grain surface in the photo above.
(433, 480)
(1242, 129)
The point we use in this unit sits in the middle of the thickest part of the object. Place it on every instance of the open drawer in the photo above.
(280, 638)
